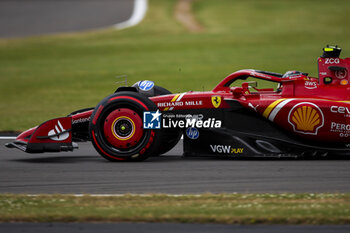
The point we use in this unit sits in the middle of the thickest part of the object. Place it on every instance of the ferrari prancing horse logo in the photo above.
(216, 101)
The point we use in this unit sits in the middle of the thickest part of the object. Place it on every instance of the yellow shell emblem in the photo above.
(216, 101)
(306, 118)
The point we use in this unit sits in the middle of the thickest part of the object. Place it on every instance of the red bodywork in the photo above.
(316, 109)
(304, 106)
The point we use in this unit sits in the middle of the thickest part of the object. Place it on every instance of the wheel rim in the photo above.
(123, 129)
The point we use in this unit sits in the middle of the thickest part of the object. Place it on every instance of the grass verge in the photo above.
(44, 77)
(205, 208)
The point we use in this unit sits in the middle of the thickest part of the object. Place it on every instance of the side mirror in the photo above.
(252, 84)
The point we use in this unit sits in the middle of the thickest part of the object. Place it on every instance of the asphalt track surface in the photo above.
(84, 171)
(35, 17)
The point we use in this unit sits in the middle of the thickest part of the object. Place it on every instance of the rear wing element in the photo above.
(51, 136)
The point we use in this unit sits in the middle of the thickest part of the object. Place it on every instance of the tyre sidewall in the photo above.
(139, 104)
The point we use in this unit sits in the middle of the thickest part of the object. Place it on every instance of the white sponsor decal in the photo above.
(332, 61)
(226, 149)
(170, 104)
(57, 130)
(341, 110)
(342, 129)
(252, 106)
(310, 85)
(81, 120)
(180, 103)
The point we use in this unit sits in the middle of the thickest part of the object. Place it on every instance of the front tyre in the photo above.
(170, 137)
(116, 129)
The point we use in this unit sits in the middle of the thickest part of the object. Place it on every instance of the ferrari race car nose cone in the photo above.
(123, 128)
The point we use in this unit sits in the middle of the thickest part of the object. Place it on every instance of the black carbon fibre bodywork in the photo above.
(246, 134)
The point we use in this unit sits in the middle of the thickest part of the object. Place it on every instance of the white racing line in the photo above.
(7, 138)
(121, 195)
(138, 13)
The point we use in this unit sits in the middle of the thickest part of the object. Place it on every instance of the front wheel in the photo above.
(116, 128)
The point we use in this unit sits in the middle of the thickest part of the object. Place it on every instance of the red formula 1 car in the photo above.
(300, 116)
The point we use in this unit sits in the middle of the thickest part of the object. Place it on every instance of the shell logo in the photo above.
(306, 118)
